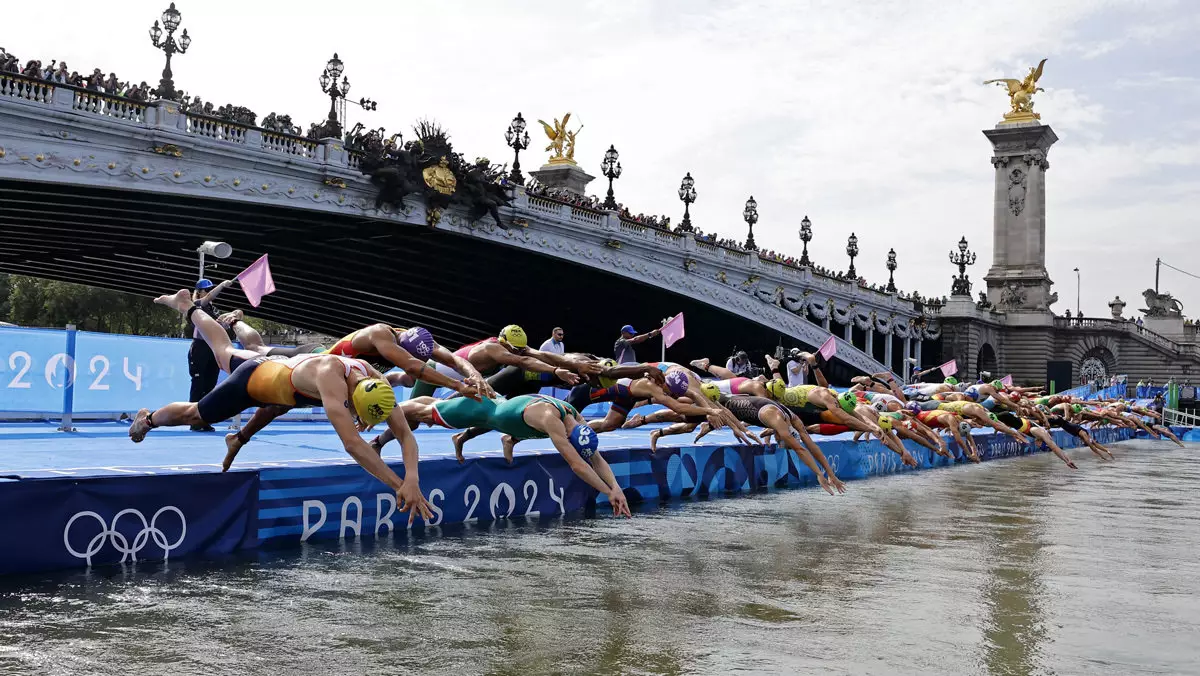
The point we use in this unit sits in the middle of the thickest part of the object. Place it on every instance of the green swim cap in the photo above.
(1077, 407)
(993, 417)
(848, 401)
(997, 384)
(951, 380)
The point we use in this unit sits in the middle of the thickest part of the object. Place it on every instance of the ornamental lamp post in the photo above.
(518, 139)
(750, 215)
(806, 237)
(961, 286)
(891, 266)
(335, 91)
(852, 251)
(170, 21)
(611, 167)
(687, 194)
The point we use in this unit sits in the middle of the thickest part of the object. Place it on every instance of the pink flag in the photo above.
(949, 368)
(828, 348)
(672, 331)
(1006, 381)
(256, 280)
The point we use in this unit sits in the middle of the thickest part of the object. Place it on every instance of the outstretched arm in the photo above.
(644, 337)
(384, 342)
(470, 374)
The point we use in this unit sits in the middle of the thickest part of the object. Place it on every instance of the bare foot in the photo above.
(232, 446)
(772, 363)
(701, 364)
(182, 300)
(376, 446)
(509, 444)
(458, 446)
(635, 420)
(140, 425)
(654, 436)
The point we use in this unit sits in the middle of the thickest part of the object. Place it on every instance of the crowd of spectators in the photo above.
(563, 195)
(59, 73)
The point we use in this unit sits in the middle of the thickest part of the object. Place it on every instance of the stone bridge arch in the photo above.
(986, 360)
(1095, 356)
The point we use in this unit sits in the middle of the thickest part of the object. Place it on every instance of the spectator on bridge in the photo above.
(1139, 323)
(555, 342)
(623, 348)
(202, 363)
(1139, 390)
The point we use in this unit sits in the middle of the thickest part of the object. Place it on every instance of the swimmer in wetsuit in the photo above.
(414, 351)
(352, 393)
(1027, 426)
(532, 416)
(956, 426)
(1079, 432)
(770, 414)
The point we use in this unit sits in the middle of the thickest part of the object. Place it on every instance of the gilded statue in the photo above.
(440, 177)
(562, 142)
(1020, 94)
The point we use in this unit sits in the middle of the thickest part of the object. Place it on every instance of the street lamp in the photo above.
(611, 166)
(806, 237)
(1076, 292)
(330, 86)
(687, 193)
(170, 20)
(891, 266)
(750, 215)
(518, 139)
(852, 251)
(961, 286)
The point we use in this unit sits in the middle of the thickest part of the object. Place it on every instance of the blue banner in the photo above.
(55, 523)
(34, 369)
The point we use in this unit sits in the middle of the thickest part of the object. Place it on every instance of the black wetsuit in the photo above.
(1066, 425)
(746, 408)
(618, 395)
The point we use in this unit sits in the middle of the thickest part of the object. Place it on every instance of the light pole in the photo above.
(806, 237)
(687, 194)
(750, 215)
(170, 20)
(961, 285)
(852, 251)
(1076, 292)
(891, 266)
(611, 167)
(330, 86)
(518, 139)
(214, 249)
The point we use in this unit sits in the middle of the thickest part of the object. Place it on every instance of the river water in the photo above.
(1019, 566)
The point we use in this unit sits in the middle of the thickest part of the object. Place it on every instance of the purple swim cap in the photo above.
(677, 383)
(418, 341)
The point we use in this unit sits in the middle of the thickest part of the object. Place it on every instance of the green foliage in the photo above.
(29, 301)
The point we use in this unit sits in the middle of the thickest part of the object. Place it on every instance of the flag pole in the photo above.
(664, 341)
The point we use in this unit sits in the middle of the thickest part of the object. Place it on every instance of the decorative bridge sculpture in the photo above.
(60, 134)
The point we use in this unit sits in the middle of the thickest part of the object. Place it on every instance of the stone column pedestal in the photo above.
(1018, 279)
(566, 176)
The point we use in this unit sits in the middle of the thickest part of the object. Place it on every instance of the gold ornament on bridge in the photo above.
(1020, 95)
(440, 178)
(562, 142)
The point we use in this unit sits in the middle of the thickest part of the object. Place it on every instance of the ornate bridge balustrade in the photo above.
(59, 134)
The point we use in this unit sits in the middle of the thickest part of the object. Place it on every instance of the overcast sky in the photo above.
(866, 116)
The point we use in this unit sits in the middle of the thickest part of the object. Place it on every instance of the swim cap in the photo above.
(776, 388)
(914, 407)
(964, 427)
(677, 383)
(514, 335)
(951, 380)
(373, 400)
(885, 422)
(848, 401)
(608, 364)
(711, 390)
(993, 417)
(584, 440)
(997, 384)
(418, 341)
(1077, 408)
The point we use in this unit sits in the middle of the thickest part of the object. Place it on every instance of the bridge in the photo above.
(116, 193)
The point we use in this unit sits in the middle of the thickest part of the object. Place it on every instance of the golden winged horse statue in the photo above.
(559, 136)
(1020, 93)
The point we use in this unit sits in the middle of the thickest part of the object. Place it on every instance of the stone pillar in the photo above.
(917, 348)
(887, 355)
(849, 332)
(871, 341)
(1017, 280)
(563, 175)
(908, 351)
(825, 322)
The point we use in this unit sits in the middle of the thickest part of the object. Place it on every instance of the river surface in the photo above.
(1018, 566)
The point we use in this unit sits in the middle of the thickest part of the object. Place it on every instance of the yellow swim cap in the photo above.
(373, 400)
(885, 422)
(711, 390)
(776, 388)
(514, 335)
(608, 364)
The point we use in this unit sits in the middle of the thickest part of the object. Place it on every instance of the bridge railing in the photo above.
(1115, 325)
(20, 87)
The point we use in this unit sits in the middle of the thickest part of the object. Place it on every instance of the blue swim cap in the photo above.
(677, 383)
(418, 341)
(584, 440)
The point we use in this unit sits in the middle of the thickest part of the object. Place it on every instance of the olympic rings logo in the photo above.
(119, 541)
